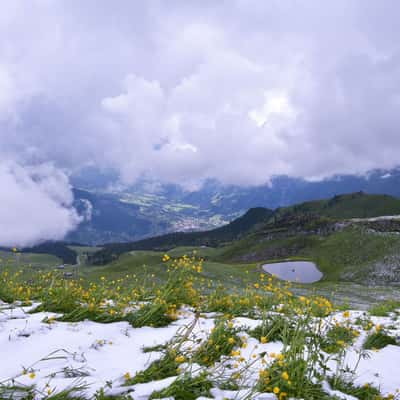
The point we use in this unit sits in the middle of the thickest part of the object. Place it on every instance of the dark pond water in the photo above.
(294, 271)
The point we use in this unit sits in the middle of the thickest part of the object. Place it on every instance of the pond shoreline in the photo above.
(294, 271)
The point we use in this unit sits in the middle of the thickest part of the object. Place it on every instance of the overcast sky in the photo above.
(181, 91)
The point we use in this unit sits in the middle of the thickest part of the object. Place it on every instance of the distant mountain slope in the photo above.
(285, 191)
(149, 209)
(124, 217)
(315, 216)
(354, 205)
(107, 219)
(227, 233)
(58, 249)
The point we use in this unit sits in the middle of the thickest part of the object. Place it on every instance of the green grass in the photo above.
(366, 392)
(143, 264)
(337, 337)
(353, 205)
(158, 347)
(85, 249)
(205, 252)
(11, 392)
(186, 388)
(298, 322)
(332, 254)
(16, 260)
(163, 368)
(147, 265)
(221, 341)
(101, 396)
(291, 375)
(383, 309)
(274, 328)
(347, 251)
(152, 314)
(350, 250)
(378, 340)
(255, 247)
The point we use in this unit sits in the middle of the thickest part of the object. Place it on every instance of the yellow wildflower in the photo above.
(285, 375)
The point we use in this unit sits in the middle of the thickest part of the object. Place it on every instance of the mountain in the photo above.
(259, 225)
(285, 191)
(58, 249)
(353, 205)
(232, 231)
(146, 209)
(107, 218)
(124, 216)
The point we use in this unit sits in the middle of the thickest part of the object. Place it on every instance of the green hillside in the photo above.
(332, 233)
(354, 205)
(347, 254)
(345, 250)
(310, 217)
(216, 237)
(11, 259)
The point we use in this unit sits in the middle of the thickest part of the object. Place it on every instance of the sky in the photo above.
(180, 91)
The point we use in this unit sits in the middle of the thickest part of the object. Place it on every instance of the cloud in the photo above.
(36, 204)
(239, 91)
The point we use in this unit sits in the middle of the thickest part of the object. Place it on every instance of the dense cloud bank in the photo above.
(35, 204)
(183, 91)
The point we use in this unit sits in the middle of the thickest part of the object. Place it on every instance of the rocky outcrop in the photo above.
(383, 272)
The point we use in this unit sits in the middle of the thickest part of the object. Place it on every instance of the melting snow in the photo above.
(65, 354)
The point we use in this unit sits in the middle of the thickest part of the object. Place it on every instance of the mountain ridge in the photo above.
(313, 217)
(145, 210)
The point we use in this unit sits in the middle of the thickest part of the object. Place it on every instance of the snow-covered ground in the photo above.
(60, 355)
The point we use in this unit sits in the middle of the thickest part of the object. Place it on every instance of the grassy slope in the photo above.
(35, 260)
(226, 233)
(348, 249)
(352, 248)
(329, 254)
(140, 263)
(239, 261)
(84, 249)
(355, 205)
(231, 275)
(309, 215)
(148, 264)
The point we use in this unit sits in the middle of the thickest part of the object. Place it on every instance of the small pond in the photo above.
(294, 271)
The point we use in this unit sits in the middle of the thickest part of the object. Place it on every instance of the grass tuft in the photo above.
(378, 340)
(186, 388)
(165, 367)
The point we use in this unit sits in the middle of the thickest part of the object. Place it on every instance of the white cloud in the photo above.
(276, 104)
(36, 204)
(182, 92)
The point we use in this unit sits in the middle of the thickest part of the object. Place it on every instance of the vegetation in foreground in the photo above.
(312, 333)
